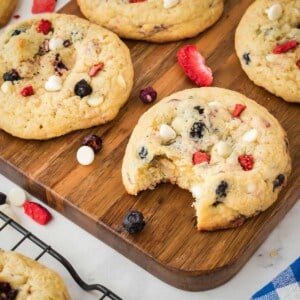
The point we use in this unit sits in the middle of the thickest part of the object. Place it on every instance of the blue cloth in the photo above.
(286, 286)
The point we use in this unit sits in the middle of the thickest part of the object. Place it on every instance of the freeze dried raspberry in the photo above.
(238, 109)
(42, 6)
(44, 26)
(95, 69)
(200, 157)
(246, 161)
(37, 212)
(27, 91)
(283, 48)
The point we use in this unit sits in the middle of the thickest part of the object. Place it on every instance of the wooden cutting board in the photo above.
(94, 198)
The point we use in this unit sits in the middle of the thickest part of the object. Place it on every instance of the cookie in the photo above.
(153, 20)
(226, 149)
(267, 44)
(6, 10)
(60, 73)
(23, 278)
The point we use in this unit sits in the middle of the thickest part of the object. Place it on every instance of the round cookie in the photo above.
(267, 44)
(153, 20)
(23, 278)
(229, 151)
(6, 10)
(60, 73)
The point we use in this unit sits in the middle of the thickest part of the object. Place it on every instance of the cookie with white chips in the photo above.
(153, 20)
(267, 44)
(61, 73)
(226, 149)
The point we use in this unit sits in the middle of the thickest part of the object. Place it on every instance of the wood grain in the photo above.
(94, 197)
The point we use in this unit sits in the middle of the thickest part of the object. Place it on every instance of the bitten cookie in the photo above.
(153, 20)
(7, 8)
(267, 44)
(60, 73)
(229, 151)
(23, 278)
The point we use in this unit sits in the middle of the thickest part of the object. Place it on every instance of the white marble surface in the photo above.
(96, 262)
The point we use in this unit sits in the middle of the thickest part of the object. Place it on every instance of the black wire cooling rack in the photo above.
(46, 249)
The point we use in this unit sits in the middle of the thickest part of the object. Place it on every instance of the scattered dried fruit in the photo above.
(93, 141)
(134, 222)
(283, 48)
(246, 58)
(148, 94)
(221, 190)
(82, 88)
(194, 66)
(238, 109)
(279, 180)
(27, 91)
(95, 69)
(200, 157)
(44, 26)
(197, 130)
(143, 153)
(37, 212)
(246, 161)
(43, 6)
(11, 75)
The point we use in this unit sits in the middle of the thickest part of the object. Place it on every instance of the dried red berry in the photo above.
(298, 63)
(37, 212)
(27, 91)
(93, 141)
(200, 157)
(283, 48)
(238, 109)
(42, 6)
(95, 69)
(148, 95)
(44, 26)
(246, 161)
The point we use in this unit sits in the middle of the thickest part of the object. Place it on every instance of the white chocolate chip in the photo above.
(170, 3)
(214, 103)
(95, 100)
(196, 191)
(53, 84)
(223, 149)
(85, 155)
(16, 196)
(271, 57)
(167, 133)
(121, 81)
(7, 87)
(56, 44)
(250, 136)
(274, 12)
(251, 188)
(6, 209)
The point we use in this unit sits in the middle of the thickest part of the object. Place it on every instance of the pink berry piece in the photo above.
(148, 95)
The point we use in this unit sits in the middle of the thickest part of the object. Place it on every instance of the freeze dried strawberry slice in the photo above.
(44, 26)
(95, 69)
(200, 157)
(283, 48)
(238, 109)
(194, 66)
(246, 161)
(27, 91)
(42, 6)
(37, 212)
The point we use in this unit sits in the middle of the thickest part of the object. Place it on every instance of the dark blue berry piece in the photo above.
(93, 141)
(82, 88)
(246, 58)
(2, 198)
(216, 203)
(279, 180)
(143, 153)
(16, 32)
(221, 190)
(134, 221)
(199, 109)
(6, 291)
(197, 130)
(148, 95)
(11, 75)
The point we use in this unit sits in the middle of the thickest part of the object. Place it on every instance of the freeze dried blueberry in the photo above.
(143, 153)
(133, 221)
(197, 130)
(82, 88)
(216, 203)
(16, 32)
(11, 75)
(279, 180)
(221, 190)
(148, 95)
(59, 66)
(246, 58)
(199, 109)
(67, 43)
(93, 141)
(2, 198)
